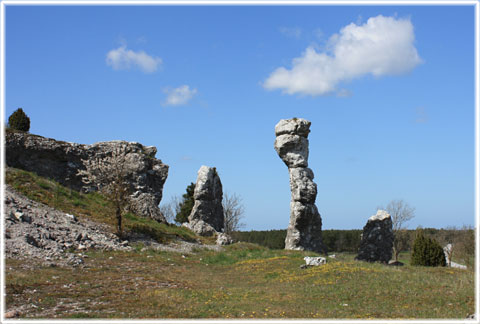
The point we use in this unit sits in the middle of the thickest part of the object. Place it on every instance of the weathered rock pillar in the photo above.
(377, 239)
(206, 217)
(305, 228)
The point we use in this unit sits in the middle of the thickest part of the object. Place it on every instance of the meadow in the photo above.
(243, 281)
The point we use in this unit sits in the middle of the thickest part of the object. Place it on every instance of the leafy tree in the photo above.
(19, 121)
(233, 211)
(186, 205)
(109, 175)
(401, 213)
(427, 252)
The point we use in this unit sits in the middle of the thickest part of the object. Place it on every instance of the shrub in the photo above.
(427, 252)
(19, 121)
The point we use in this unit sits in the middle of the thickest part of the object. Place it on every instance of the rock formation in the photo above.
(61, 161)
(305, 227)
(377, 239)
(207, 211)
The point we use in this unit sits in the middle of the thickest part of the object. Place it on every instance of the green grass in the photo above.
(243, 281)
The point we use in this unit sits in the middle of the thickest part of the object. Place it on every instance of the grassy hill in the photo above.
(243, 281)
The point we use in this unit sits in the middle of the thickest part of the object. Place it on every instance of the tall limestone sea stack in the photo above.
(305, 228)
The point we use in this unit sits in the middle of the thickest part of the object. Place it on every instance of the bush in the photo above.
(427, 252)
(19, 121)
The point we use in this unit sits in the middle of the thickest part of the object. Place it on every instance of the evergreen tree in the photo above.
(186, 205)
(19, 121)
(427, 252)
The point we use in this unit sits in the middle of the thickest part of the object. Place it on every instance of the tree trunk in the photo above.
(119, 221)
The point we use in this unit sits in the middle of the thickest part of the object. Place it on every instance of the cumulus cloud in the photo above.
(179, 96)
(124, 59)
(382, 46)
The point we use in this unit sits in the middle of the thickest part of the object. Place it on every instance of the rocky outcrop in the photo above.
(34, 230)
(305, 227)
(208, 196)
(377, 239)
(61, 161)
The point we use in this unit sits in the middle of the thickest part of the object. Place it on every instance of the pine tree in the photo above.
(19, 121)
(186, 205)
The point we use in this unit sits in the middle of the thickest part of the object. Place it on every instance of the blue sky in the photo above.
(207, 84)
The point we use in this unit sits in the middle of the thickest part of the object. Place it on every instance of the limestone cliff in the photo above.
(61, 161)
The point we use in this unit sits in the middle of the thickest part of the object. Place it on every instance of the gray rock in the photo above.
(305, 228)
(304, 231)
(208, 201)
(224, 239)
(199, 227)
(314, 261)
(51, 232)
(377, 239)
(302, 186)
(293, 150)
(31, 240)
(61, 161)
(294, 126)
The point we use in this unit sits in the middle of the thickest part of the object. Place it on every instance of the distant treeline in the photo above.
(335, 240)
(344, 240)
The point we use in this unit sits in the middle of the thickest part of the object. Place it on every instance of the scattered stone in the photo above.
(377, 239)
(71, 217)
(46, 236)
(12, 314)
(208, 201)
(447, 250)
(305, 228)
(395, 263)
(61, 161)
(314, 261)
(224, 239)
(332, 256)
(31, 240)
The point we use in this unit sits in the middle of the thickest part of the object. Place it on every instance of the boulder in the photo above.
(377, 239)
(314, 261)
(224, 239)
(62, 161)
(305, 228)
(199, 227)
(208, 197)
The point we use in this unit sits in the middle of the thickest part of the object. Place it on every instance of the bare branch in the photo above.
(233, 212)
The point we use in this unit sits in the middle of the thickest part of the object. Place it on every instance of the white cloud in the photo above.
(124, 59)
(294, 32)
(179, 96)
(381, 46)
